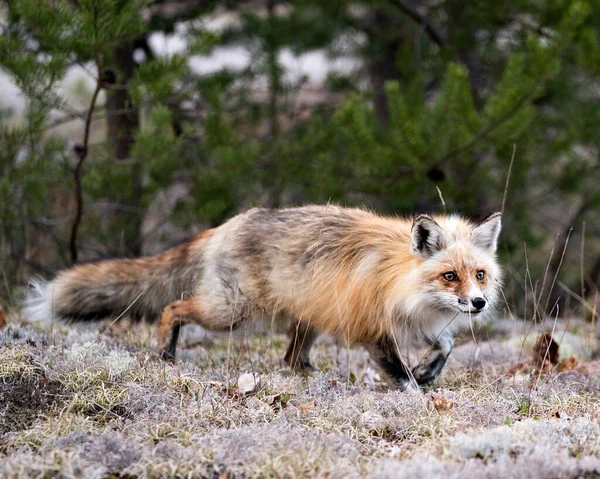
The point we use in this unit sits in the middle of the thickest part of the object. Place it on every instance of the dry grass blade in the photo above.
(508, 174)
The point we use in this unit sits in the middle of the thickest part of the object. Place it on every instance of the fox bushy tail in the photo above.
(142, 286)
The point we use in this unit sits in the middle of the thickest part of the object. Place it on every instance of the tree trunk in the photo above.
(122, 119)
(274, 74)
(382, 65)
(122, 116)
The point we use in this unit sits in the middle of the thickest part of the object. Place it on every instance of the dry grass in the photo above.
(76, 404)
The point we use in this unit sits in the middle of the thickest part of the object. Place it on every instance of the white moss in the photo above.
(119, 361)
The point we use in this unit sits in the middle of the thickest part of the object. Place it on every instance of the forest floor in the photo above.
(98, 403)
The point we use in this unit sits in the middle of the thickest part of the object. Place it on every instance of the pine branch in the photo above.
(480, 135)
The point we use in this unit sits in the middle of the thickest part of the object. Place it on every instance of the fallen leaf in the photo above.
(307, 407)
(568, 363)
(441, 404)
(248, 383)
(545, 349)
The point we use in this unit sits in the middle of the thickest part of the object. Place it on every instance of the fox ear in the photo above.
(485, 235)
(427, 237)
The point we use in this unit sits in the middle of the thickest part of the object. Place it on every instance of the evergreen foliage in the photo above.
(444, 93)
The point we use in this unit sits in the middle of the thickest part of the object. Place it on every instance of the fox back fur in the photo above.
(348, 272)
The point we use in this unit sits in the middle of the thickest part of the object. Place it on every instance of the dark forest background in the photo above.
(445, 99)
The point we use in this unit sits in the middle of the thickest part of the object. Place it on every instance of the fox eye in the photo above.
(450, 276)
(480, 275)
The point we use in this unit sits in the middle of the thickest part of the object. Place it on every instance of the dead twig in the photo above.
(82, 152)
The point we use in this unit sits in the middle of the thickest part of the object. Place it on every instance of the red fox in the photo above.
(361, 277)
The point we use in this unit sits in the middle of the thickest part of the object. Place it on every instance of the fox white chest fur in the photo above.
(348, 272)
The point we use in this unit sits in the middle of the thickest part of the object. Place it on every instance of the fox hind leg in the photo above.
(302, 337)
(173, 317)
(189, 311)
(432, 364)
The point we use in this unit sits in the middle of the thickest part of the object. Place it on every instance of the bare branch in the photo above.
(438, 37)
(82, 152)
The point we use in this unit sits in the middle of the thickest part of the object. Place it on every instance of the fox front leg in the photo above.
(434, 361)
(385, 352)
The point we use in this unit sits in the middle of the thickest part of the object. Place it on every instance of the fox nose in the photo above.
(478, 303)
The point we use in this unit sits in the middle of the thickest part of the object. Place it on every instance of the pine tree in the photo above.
(446, 94)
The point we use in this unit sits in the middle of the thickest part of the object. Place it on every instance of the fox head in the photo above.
(459, 272)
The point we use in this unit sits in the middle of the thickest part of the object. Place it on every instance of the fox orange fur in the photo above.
(348, 272)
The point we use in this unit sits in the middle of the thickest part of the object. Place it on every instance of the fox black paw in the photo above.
(302, 367)
(428, 373)
(306, 368)
(167, 356)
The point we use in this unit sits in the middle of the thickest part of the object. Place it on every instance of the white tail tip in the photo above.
(38, 302)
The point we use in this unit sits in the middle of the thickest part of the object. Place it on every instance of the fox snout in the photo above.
(478, 303)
